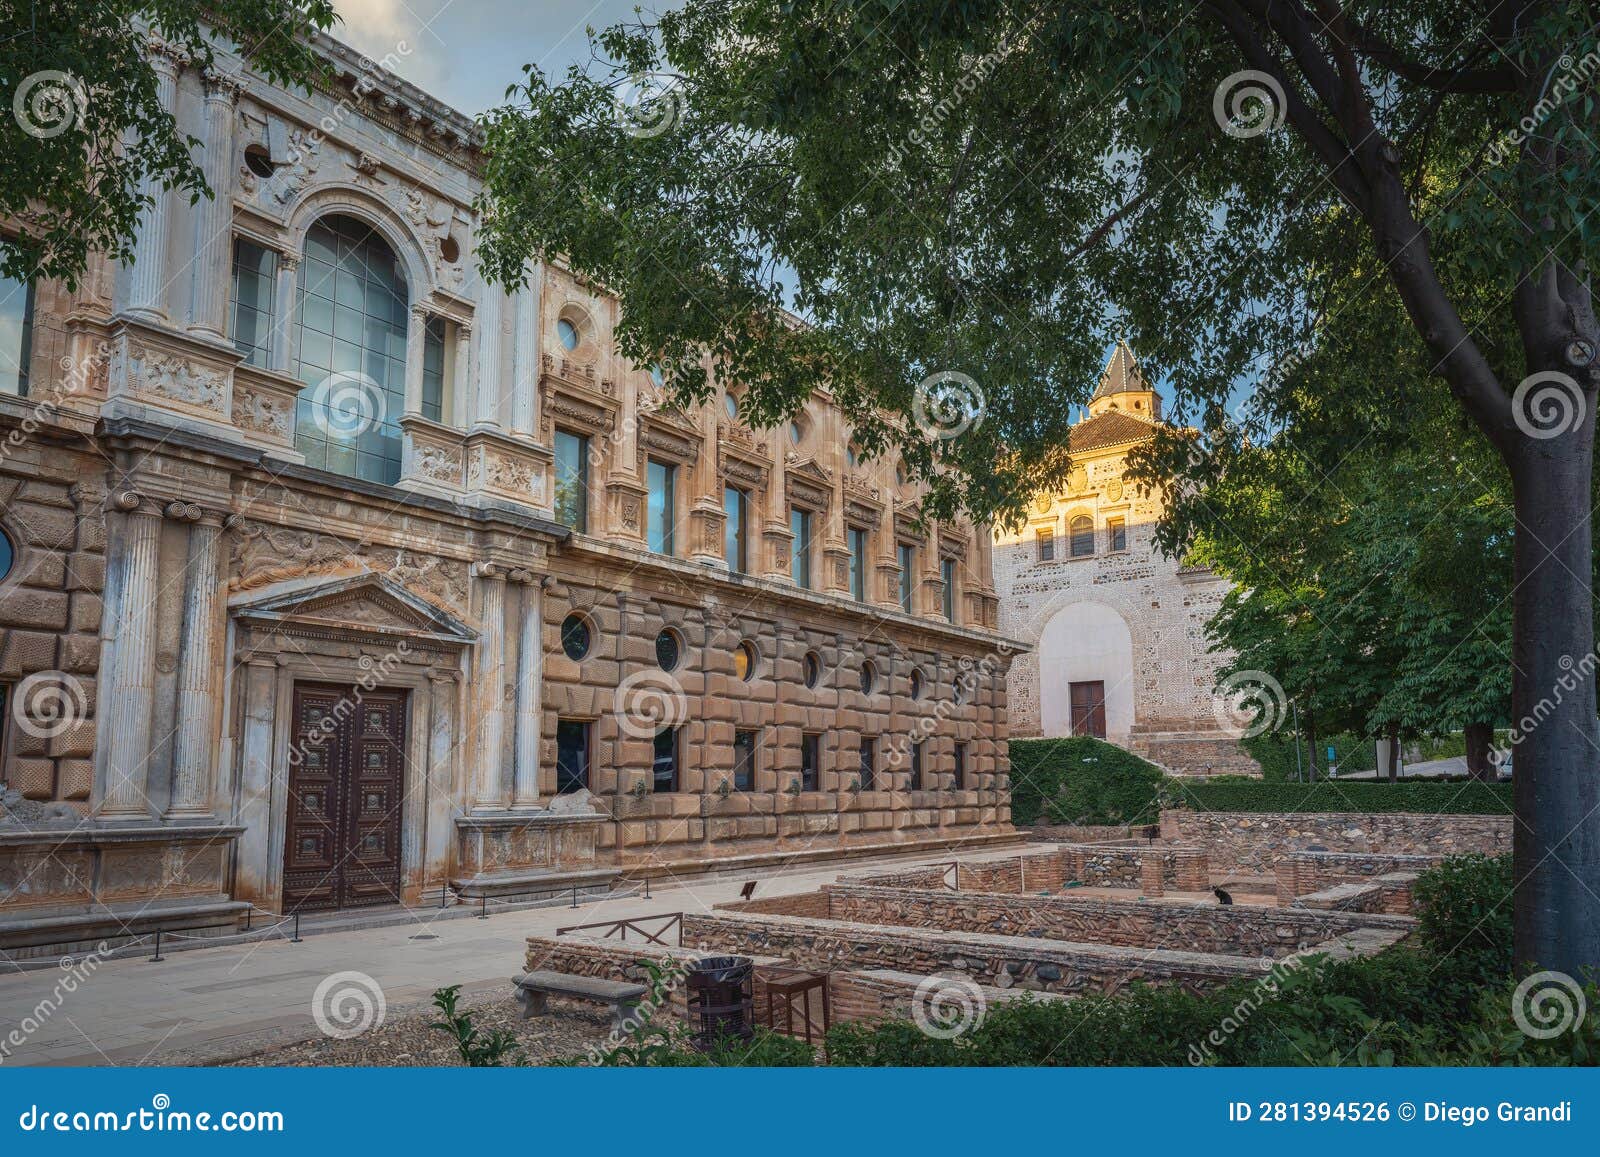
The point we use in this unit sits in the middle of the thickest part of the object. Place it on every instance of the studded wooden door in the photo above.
(342, 843)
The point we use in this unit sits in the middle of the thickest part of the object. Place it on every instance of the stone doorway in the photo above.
(347, 774)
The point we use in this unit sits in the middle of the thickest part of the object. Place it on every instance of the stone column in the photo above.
(147, 286)
(487, 412)
(530, 691)
(283, 302)
(462, 374)
(194, 748)
(489, 694)
(126, 696)
(525, 349)
(443, 790)
(258, 687)
(213, 240)
(416, 338)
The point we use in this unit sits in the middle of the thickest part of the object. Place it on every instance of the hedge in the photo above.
(1470, 798)
(1081, 781)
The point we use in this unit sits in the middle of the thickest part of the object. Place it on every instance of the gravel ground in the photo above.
(406, 1039)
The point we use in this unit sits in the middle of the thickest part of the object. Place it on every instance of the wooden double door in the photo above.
(346, 786)
(1089, 708)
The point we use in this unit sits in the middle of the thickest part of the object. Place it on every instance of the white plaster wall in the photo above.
(1082, 643)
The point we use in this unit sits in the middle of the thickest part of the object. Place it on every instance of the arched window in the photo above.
(1081, 533)
(350, 351)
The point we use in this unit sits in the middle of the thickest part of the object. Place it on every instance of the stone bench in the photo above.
(534, 988)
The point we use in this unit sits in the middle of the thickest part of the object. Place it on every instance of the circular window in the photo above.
(258, 161)
(852, 454)
(963, 689)
(575, 636)
(811, 667)
(731, 405)
(916, 684)
(450, 249)
(744, 660)
(869, 677)
(8, 555)
(568, 333)
(667, 649)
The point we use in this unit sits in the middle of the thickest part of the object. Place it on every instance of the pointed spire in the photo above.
(1121, 374)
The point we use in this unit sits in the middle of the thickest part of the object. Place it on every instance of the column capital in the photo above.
(488, 570)
(222, 87)
(288, 261)
(184, 511)
(126, 500)
(525, 577)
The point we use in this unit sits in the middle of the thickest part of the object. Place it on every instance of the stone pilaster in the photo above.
(147, 285)
(529, 721)
(462, 369)
(126, 696)
(488, 697)
(213, 240)
(194, 749)
(416, 339)
(489, 408)
(525, 351)
(283, 295)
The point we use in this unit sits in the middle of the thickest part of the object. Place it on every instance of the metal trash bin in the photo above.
(721, 1000)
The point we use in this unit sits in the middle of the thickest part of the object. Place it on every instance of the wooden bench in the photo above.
(534, 988)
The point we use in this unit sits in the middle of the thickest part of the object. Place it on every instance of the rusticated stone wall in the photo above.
(1256, 841)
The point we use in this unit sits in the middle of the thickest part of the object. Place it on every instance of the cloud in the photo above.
(403, 33)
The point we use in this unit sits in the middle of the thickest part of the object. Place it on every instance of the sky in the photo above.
(465, 52)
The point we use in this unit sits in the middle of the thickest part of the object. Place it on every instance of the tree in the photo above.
(975, 188)
(87, 139)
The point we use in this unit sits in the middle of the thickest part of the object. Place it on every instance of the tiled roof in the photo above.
(1121, 374)
(1112, 428)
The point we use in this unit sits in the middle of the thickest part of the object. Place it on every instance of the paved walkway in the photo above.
(211, 1004)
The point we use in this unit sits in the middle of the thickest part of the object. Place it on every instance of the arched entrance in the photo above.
(1086, 657)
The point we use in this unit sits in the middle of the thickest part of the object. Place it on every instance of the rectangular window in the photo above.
(908, 579)
(572, 756)
(1116, 534)
(800, 562)
(433, 369)
(572, 480)
(810, 760)
(947, 573)
(961, 767)
(735, 505)
(255, 272)
(663, 481)
(1047, 545)
(916, 766)
(856, 538)
(869, 763)
(744, 760)
(664, 768)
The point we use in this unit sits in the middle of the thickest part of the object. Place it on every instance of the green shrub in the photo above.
(1468, 798)
(1464, 905)
(1081, 781)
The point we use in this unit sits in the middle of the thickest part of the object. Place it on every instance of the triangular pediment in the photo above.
(367, 602)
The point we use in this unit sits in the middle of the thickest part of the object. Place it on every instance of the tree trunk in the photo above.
(1311, 742)
(1392, 734)
(1556, 846)
(1480, 738)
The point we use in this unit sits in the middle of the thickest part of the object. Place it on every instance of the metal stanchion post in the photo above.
(483, 906)
(295, 939)
(574, 903)
(157, 958)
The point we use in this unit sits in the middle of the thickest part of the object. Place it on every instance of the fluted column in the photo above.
(126, 696)
(530, 691)
(213, 240)
(283, 302)
(489, 402)
(525, 351)
(489, 694)
(462, 374)
(416, 338)
(147, 283)
(194, 748)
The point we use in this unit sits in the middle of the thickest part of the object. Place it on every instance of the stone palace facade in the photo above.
(1117, 631)
(332, 577)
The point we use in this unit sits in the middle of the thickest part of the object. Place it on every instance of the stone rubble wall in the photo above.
(1237, 930)
(1303, 873)
(1001, 961)
(1257, 841)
